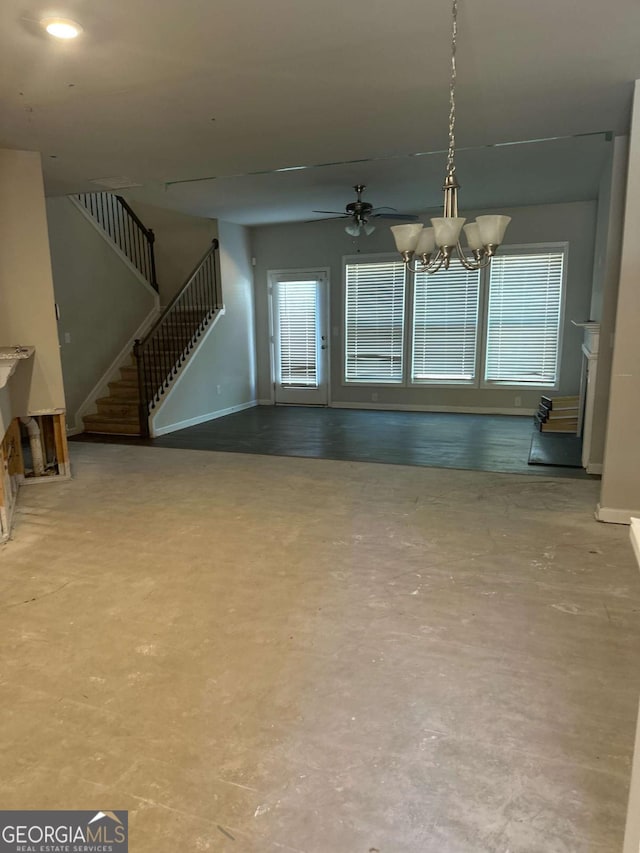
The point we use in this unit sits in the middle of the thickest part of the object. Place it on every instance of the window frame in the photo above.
(478, 382)
(381, 258)
(322, 274)
(442, 383)
(525, 249)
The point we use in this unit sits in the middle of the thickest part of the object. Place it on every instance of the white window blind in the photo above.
(445, 325)
(374, 322)
(297, 335)
(523, 325)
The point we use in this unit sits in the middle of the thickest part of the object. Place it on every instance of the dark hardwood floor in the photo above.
(477, 442)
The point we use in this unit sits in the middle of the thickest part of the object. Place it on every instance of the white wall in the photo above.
(102, 302)
(323, 244)
(27, 309)
(620, 495)
(221, 374)
(181, 241)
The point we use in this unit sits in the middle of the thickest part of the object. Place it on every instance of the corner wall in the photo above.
(27, 308)
(606, 272)
(323, 244)
(620, 495)
(220, 376)
(181, 241)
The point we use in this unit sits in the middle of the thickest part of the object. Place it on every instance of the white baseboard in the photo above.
(594, 468)
(464, 410)
(615, 516)
(266, 402)
(200, 419)
(101, 388)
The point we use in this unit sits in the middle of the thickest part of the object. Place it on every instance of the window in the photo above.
(523, 318)
(495, 326)
(445, 324)
(374, 322)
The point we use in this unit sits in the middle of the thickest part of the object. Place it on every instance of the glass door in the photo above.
(299, 312)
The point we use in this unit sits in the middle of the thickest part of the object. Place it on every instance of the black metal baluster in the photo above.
(184, 322)
(123, 235)
(139, 251)
(136, 238)
(165, 356)
(209, 283)
(152, 256)
(196, 299)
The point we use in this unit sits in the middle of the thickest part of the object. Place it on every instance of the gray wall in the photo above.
(181, 241)
(27, 310)
(221, 374)
(102, 302)
(606, 273)
(323, 244)
(620, 496)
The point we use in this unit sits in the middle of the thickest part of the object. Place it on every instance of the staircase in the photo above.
(157, 358)
(118, 413)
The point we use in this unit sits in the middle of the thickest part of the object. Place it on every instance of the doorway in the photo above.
(299, 309)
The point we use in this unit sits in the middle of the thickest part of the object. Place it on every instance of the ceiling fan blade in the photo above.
(383, 207)
(326, 219)
(404, 217)
(335, 212)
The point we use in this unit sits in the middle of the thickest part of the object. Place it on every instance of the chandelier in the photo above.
(432, 248)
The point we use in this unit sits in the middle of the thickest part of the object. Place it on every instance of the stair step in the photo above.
(115, 426)
(118, 408)
(123, 390)
(129, 374)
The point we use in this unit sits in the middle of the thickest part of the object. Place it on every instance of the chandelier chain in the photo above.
(452, 91)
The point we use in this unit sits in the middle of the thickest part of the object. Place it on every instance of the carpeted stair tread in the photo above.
(114, 407)
(115, 425)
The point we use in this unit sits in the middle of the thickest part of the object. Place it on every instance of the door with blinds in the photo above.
(299, 304)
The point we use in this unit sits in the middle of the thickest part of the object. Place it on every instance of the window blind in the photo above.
(523, 325)
(374, 322)
(445, 325)
(297, 334)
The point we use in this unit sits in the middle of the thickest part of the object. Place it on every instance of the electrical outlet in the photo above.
(517, 401)
(374, 397)
(218, 389)
(67, 337)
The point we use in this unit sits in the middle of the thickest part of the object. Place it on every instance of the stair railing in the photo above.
(125, 229)
(161, 353)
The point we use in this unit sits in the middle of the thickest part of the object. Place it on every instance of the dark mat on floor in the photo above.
(554, 448)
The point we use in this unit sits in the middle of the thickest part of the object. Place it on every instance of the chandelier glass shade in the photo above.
(427, 249)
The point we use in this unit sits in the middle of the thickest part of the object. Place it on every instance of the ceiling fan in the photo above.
(360, 212)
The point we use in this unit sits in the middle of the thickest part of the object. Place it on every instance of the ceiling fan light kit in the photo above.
(429, 249)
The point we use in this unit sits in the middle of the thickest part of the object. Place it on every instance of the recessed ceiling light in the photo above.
(61, 28)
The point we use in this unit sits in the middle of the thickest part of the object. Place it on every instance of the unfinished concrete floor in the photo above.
(273, 654)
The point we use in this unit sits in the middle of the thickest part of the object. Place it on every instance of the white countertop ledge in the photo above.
(634, 535)
(9, 358)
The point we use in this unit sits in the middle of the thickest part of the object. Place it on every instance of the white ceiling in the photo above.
(305, 82)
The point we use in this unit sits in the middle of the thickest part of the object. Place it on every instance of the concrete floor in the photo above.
(275, 654)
